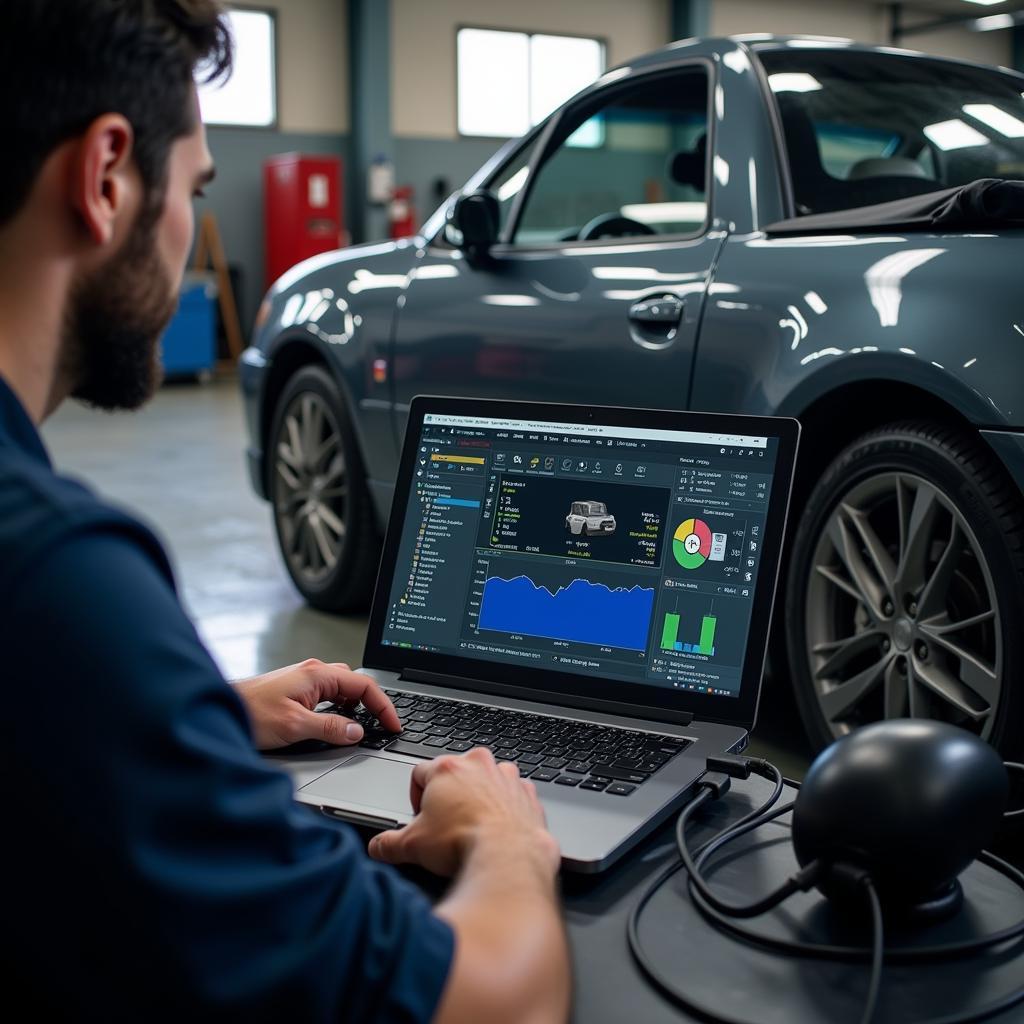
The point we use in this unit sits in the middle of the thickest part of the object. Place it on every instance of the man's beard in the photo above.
(114, 320)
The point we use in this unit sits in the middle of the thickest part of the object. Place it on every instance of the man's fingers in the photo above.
(340, 683)
(418, 782)
(334, 729)
(389, 847)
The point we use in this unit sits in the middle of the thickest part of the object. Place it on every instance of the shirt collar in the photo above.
(16, 429)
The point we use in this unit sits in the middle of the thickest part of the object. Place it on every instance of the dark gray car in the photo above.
(712, 227)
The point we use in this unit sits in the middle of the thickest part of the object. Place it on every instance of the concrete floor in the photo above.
(178, 465)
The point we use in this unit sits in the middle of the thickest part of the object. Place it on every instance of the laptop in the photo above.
(587, 591)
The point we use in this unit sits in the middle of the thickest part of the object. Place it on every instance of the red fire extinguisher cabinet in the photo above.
(302, 209)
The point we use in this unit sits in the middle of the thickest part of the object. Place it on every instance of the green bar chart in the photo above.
(670, 632)
(670, 635)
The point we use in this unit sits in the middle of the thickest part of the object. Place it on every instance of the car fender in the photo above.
(337, 309)
(790, 320)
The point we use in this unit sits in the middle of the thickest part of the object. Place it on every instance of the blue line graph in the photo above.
(585, 612)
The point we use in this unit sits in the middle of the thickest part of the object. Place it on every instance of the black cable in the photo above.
(824, 951)
(765, 770)
(746, 823)
(877, 954)
(803, 880)
(1020, 768)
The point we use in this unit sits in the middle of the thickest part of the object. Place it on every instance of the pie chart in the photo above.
(691, 543)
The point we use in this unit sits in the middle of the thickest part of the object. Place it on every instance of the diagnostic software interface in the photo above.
(608, 551)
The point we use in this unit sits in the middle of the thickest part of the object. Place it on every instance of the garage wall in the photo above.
(423, 46)
(984, 47)
(865, 22)
(423, 92)
(862, 21)
(312, 38)
(313, 117)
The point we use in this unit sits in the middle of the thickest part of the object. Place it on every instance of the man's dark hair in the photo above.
(63, 63)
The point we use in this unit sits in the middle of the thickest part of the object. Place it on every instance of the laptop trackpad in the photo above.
(373, 782)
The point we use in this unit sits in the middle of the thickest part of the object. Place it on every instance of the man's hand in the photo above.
(462, 802)
(281, 703)
(478, 820)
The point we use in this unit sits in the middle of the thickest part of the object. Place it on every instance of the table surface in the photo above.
(610, 987)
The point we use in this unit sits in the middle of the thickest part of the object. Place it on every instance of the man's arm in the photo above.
(510, 961)
(479, 821)
(179, 875)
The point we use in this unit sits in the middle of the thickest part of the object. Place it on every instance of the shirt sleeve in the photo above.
(189, 879)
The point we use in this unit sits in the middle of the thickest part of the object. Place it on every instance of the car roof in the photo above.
(754, 42)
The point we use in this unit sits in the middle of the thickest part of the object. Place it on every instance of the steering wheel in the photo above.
(613, 225)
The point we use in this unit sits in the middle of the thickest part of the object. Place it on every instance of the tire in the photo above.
(912, 529)
(323, 514)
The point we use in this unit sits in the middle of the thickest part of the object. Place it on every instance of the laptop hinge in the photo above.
(609, 707)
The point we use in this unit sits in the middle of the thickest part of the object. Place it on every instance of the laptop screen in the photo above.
(592, 549)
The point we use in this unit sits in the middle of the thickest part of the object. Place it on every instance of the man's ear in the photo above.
(103, 176)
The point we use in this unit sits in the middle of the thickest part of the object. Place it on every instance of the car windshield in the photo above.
(864, 128)
(597, 508)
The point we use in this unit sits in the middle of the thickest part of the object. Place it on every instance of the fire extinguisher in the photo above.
(402, 213)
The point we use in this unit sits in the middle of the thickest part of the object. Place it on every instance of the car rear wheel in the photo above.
(905, 594)
(322, 509)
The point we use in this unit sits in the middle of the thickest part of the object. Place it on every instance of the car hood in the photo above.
(354, 254)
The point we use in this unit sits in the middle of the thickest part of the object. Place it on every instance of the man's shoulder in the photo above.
(40, 509)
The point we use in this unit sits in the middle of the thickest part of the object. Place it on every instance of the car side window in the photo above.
(629, 163)
(863, 128)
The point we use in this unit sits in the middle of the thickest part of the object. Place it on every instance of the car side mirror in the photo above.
(475, 218)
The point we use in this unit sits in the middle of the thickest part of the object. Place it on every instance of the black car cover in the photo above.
(983, 204)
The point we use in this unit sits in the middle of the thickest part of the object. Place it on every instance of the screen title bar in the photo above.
(596, 430)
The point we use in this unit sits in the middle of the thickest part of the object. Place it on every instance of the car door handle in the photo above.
(665, 310)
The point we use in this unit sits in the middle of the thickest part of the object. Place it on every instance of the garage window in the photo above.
(249, 97)
(510, 81)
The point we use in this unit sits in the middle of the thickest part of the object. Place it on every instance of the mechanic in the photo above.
(155, 865)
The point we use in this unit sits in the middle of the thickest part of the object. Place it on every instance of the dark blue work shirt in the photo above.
(155, 867)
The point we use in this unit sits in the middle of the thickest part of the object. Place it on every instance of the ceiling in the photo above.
(945, 8)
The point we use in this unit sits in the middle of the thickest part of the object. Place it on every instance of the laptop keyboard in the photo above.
(563, 752)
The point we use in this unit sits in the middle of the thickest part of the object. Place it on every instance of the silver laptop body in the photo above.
(588, 591)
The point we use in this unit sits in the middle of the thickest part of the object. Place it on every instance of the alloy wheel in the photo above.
(901, 614)
(310, 487)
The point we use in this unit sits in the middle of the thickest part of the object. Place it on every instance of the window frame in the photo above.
(275, 124)
(542, 148)
(516, 148)
(529, 33)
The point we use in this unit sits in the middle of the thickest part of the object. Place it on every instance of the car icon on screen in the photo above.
(587, 518)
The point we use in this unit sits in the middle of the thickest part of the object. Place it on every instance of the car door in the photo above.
(594, 293)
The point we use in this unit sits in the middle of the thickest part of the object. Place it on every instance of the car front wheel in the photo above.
(322, 509)
(906, 593)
